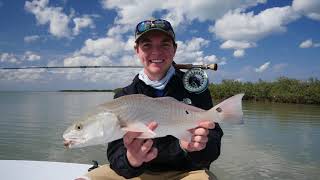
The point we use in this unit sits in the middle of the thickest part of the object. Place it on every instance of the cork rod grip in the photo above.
(190, 66)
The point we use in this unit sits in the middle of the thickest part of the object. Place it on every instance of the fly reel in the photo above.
(196, 80)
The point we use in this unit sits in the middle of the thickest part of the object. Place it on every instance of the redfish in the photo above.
(112, 120)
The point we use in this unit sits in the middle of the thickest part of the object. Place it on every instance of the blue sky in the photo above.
(249, 39)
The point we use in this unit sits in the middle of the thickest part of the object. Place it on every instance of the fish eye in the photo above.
(78, 127)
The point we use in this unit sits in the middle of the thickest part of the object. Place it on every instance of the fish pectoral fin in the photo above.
(184, 135)
(147, 135)
(140, 127)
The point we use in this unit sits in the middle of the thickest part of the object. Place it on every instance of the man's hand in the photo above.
(199, 137)
(139, 150)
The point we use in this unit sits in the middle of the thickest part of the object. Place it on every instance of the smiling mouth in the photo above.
(157, 61)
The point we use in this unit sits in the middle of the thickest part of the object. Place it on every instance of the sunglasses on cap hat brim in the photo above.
(151, 25)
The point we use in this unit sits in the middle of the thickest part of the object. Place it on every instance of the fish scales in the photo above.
(130, 109)
(145, 109)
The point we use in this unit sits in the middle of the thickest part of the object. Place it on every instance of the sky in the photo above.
(248, 39)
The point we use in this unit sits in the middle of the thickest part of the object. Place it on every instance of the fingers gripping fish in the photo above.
(132, 112)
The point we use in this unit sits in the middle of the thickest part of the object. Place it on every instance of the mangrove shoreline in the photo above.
(283, 90)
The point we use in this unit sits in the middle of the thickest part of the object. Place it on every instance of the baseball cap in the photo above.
(150, 25)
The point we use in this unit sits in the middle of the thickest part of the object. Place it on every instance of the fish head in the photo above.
(91, 131)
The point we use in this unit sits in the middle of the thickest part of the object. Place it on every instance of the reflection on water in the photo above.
(32, 125)
(277, 141)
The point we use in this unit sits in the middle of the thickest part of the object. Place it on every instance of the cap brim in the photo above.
(153, 29)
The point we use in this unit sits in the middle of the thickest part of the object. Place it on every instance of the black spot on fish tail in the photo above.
(219, 109)
(187, 112)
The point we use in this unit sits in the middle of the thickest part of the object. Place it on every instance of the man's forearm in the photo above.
(118, 161)
(206, 156)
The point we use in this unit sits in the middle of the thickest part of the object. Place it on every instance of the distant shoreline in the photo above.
(282, 90)
(93, 90)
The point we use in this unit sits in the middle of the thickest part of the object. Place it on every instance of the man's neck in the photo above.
(154, 77)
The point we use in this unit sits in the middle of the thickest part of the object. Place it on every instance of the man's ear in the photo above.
(175, 45)
(136, 49)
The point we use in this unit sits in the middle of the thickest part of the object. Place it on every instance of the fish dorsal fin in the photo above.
(180, 104)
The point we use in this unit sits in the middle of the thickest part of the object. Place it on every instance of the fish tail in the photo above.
(229, 111)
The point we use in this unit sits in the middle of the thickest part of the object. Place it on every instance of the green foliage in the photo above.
(283, 90)
(117, 90)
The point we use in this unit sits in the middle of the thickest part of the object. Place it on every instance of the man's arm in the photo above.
(206, 143)
(130, 154)
(118, 160)
(204, 157)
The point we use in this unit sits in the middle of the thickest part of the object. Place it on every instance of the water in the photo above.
(277, 141)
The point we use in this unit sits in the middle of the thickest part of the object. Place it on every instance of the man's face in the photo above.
(155, 51)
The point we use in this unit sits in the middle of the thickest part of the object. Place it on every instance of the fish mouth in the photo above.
(68, 143)
(71, 142)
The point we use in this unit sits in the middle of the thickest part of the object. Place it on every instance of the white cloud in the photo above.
(130, 60)
(18, 59)
(308, 44)
(9, 58)
(196, 44)
(190, 52)
(131, 12)
(112, 77)
(222, 62)
(31, 56)
(310, 8)
(241, 30)
(110, 50)
(239, 53)
(22, 75)
(58, 21)
(118, 30)
(231, 44)
(29, 39)
(239, 26)
(78, 60)
(238, 46)
(107, 46)
(82, 22)
(263, 67)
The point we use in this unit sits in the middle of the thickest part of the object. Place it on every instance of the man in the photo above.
(165, 157)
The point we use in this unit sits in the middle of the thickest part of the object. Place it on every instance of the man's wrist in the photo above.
(185, 151)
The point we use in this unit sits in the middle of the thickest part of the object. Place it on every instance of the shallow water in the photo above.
(277, 141)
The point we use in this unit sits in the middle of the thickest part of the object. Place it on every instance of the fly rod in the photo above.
(178, 66)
